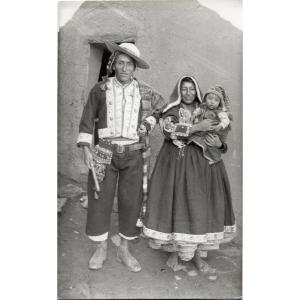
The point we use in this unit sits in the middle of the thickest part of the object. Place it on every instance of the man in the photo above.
(123, 106)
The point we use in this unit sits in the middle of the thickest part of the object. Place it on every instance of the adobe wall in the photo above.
(175, 38)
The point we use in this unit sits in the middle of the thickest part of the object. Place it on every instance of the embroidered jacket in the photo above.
(114, 113)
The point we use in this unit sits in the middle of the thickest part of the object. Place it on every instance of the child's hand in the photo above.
(217, 127)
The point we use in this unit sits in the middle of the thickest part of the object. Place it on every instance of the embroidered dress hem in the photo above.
(186, 244)
(184, 237)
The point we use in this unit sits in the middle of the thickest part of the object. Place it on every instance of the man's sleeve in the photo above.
(86, 126)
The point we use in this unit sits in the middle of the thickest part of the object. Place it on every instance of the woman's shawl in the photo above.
(175, 98)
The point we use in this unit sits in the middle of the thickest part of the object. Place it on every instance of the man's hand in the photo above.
(213, 140)
(205, 125)
(142, 130)
(88, 157)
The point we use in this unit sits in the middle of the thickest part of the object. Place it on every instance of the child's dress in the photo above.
(189, 202)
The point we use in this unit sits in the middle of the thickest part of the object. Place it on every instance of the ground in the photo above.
(114, 281)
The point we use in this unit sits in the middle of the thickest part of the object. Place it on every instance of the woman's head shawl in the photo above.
(175, 97)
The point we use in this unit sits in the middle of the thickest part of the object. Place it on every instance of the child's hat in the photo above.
(220, 92)
(214, 90)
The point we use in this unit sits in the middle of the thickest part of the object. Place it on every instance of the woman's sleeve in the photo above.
(167, 126)
(157, 105)
(86, 126)
(167, 121)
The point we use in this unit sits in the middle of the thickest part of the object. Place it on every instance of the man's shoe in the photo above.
(98, 258)
(124, 256)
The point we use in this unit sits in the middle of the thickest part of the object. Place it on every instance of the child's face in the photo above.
(212, 101)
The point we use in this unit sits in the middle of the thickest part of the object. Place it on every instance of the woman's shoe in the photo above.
(204, 267)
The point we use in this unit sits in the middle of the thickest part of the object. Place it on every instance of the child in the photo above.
(214, 107)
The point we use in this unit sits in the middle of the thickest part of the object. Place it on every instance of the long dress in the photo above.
(189, 203)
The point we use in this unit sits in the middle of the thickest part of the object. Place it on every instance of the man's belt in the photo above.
(127, 148)
(121, 148)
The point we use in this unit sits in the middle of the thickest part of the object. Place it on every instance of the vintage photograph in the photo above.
(149, 149)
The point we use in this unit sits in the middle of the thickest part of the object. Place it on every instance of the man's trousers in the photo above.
(126, 169)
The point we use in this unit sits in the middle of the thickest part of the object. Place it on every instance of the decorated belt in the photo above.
(121, 148)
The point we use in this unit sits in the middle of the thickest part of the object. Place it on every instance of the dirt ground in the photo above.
(156, 280)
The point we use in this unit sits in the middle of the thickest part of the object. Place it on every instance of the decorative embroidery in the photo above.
(185, 116)
(101, 157)
(131, 113)
(184, 237)
(122, 116)
(182, 129)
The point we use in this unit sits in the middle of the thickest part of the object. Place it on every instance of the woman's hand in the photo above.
(205, 125)
(88, 157)
(213, 140)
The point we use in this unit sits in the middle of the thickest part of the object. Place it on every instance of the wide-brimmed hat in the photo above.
(129, 49)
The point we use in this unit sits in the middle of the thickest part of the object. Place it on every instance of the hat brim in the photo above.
(139, 62)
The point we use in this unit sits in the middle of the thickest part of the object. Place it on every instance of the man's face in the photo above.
(124, 68)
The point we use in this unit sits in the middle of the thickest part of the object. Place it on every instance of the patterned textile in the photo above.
(146, 166)
(122, 106)
(101, 157)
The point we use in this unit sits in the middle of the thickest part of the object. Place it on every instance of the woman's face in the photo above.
(188, 92)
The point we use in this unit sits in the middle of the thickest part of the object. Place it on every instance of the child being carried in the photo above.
(214, 107)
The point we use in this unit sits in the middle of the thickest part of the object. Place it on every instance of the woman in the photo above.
(189, 206)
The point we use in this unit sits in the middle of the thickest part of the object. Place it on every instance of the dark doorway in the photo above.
(104, 62)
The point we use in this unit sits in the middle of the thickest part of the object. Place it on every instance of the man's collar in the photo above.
(123, 85)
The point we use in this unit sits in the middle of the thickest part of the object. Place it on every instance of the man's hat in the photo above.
(129, 49)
